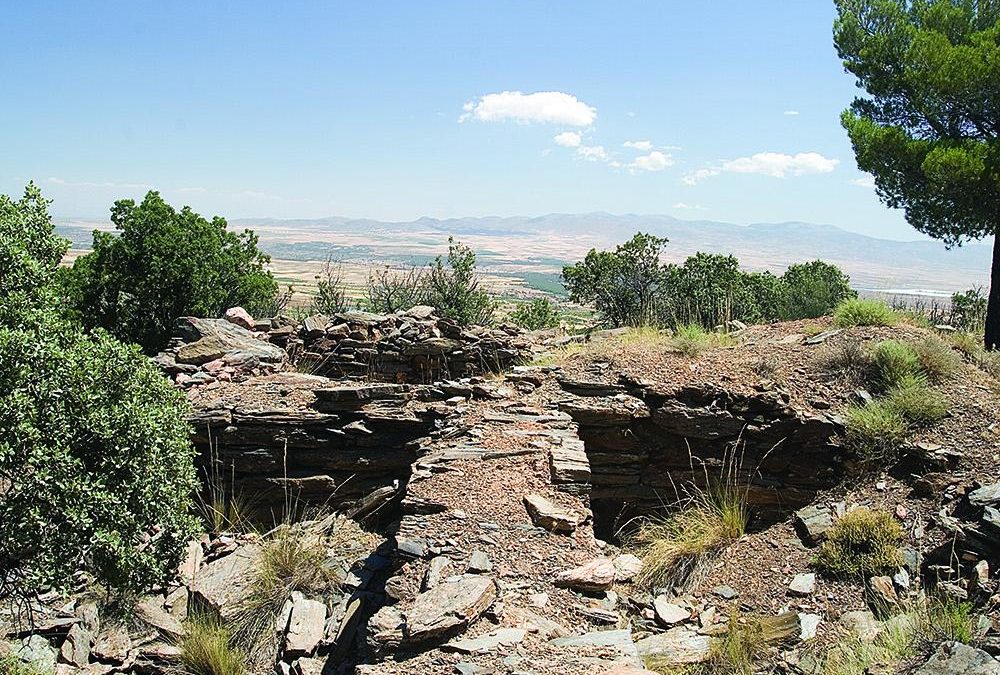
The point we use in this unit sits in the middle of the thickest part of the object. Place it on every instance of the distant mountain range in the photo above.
(873, 263)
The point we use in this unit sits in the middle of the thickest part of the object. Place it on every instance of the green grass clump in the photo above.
(938, 361)
(861, 312)
(970, 345)
(875, 431)
(672, 546)
(691, 339)
(891, 362)
(206, 649)
(861, 542)
(946, 619)
(11, 665)
(916, 402)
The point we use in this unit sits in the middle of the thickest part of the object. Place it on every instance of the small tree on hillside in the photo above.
(709, 290)
(331, 294)
(928, 129)
(813, 289)
(164, 264)
(535, 315)
(624, 284)
(389, 291)
(454, 287)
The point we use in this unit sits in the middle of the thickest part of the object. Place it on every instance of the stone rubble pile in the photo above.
(412, 346)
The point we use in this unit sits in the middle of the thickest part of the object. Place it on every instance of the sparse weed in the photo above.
(989, 362)
(206, 648)
(813, 329)
(849, 360)
(861, 542)
(916, 402)
(861, 312)
(11, 665)
(967, 343)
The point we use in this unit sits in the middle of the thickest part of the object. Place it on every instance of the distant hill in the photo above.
(551, 239)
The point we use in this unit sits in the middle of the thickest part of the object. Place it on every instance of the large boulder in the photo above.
(223, 583)
(954, 658)
(207, 340)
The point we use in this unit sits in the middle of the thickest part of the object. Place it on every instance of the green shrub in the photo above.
(389, 291)
(164, 264)
(949, 620)
(206, 649)
(916, 402)
(875, 430)
(938, 361)
(454, 288)
(968, 310)
(814, 289)
(892, 361)
(96, 465)
(861, 312)
(538, 314)
(861, 542)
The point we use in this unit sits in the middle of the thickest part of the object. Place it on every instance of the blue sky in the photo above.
(397, 110)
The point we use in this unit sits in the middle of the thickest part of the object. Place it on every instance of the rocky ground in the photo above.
(477, 551)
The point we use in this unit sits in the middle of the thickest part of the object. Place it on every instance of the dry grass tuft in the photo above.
(206, 649)
(673, 545)
(938, 360)
(691, 340)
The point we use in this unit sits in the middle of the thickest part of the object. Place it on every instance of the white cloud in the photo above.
(654, 161)
(688, 207)
(568, 139)
(780, 165)
(638, 145)
(774, 164)
(695, 177)
(866, 181)
(791, 113)
(592, 153)
(547, 107)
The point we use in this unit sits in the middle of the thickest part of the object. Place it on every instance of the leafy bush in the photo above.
(206, 649)
(96, 467)
(30, 251)
(331, 295)
(916, 402)
(938, 361)
(95, 457)
(861, 312)
(164, 264)
(623, 284)
(892, 361)
(454, 288)
(389, 291)
(875, 431)
(813, 289)
(968, 310)
(535, 315)
(861, 542)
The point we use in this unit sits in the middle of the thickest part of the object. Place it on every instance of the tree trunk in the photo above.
(993, 306)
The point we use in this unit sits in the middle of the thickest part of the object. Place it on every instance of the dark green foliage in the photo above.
(710, 290)
(813, 289)
(30, 251)
(624, 284)
(535, 315)
(968, 310)
(454, 287)
(631, 287)
(96, 467)
(164, 264)
(861, 542)
(927, 130)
